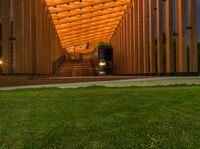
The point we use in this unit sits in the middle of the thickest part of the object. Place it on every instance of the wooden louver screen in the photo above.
(86, 21)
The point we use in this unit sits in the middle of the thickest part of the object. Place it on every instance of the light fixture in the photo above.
(102, 64)
(1, 62)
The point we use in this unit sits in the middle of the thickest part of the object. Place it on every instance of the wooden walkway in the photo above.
(119, 82)
(39, 80)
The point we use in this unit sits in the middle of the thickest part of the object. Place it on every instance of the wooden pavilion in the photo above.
(149, 37)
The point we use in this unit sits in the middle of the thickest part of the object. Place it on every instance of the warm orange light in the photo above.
(102, 64)
(89, 21)
(1, 62)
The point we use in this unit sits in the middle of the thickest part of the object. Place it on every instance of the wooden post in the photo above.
(193, 36)
(18, 32)
(27, 37)
(124, 66)
(159, 36)
(131, 39)
(169, 37)
(152, 37)
(177, 37)
(140, 37)
(145, 36)
(33, 36)
(5, 37)
(121, 47)
(135, 16)
(182, 36)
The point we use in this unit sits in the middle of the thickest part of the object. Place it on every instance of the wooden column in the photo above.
(140, 37)
(159, 36)
(5, 37)
(177, 37)
(117, 52)
(193, 36)
(33, 36)
(124, 60)
(18, 33)
(127, 42)
(145, 36)
(38, 36)
(121, 47)
(169, 37)
(152, 37)
(135, 16)
(27, 37)
(130, 38)
(182, 36)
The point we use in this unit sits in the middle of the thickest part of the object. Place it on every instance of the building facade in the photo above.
(150, 37)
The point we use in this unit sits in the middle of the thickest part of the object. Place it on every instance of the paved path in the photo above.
(160, 81)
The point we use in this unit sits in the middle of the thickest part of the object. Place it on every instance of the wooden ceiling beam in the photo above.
(85, 34)
(81, 6)
(88, 28)
(86, 21)
(78, 26)
(89, 21)
(82, 11)
(50, 3)
(76, 5)
(86, 41)
(89, 39)
(92, 16)
(87, 31)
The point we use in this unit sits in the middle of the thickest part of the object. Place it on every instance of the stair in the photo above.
(87, 67)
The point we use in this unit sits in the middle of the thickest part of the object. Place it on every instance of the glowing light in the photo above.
(102, 64)
(1, 62)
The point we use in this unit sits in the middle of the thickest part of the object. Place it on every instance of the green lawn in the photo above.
(98, 117)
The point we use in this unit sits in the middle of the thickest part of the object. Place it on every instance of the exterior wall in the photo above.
(36, 45)
(140, 47)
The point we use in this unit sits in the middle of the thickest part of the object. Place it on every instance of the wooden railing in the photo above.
(58, 62)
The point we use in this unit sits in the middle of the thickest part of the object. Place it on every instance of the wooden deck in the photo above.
(38, 80)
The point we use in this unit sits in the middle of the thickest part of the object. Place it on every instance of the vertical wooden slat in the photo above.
(124, 62)
(131, 39)
(193, 36)
(135, 16)
(169, 37)
(118, 51)
(33, 36)
(152, 37)
(140, 37)
(127, 42)
(145, 37)
(18, 31)
(5, 37)
(182, 36)
(121, 47)
(27, 37)
(159, 36)
(177, 37)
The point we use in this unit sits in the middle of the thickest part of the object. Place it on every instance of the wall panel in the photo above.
(151, 39)
(37, 46)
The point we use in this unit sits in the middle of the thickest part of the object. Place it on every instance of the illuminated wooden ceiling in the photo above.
(86, 21)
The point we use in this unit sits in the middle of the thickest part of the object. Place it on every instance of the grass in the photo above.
(99, 117)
